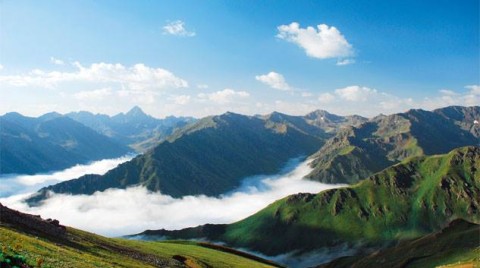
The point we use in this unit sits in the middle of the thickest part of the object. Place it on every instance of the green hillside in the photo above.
(359, 151)
(457, 245)
(410, 199)
(210, 156)
(33, 242)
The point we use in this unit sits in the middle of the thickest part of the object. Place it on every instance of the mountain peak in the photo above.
(135, 111)
(50, 116)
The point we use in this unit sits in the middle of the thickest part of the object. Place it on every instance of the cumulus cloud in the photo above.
(322, 42)
(274, 80)
(367, 101)
(15, 184)
(1, 67)
(224, 96)
(127, 211)
(56, 61)
(177, 28)
(136, 77)
(355, 93)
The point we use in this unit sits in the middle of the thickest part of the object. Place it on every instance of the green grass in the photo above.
(83, 249)
(457, 244)
(404, 201)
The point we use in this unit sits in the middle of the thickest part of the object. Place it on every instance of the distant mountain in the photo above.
(50, 142)
(135, 128)
(318, 121)
(30, 241)
(456, 245)
(404, 201)
(210, 156)
(357, 152)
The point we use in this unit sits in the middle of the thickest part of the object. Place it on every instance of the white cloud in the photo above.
(224, 96)
(20, 184)
(202, 86)
(274, 80)
(119, 211)
(326, 98)
(136, 77)
(474, 89)
(323, 42)
(447, 92)
(93, 95)
(56, 61)
(1, 67)
(182, 99)
(306, 94)
(344, 62)
(177, 28)
(355, 93)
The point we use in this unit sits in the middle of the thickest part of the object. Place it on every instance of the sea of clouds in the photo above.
(117, 212)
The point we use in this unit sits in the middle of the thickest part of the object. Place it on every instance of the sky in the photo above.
(198, 58)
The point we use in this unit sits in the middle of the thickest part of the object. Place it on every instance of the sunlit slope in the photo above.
(457, 245)
(407, 200)
(52, 245)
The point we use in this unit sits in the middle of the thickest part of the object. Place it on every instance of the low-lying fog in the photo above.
(118, 212)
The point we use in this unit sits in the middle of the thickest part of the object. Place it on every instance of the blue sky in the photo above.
(206, 57)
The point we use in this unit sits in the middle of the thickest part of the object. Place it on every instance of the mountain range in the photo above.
(357, 152)
(135, 129)
(416, 197)
(212, 155)
(50, 142)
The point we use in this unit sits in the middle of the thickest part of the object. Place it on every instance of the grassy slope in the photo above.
(358, 152)
(458, 244)
(89, 250)
(407, 200)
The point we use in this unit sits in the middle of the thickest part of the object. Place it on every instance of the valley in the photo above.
(327, 217)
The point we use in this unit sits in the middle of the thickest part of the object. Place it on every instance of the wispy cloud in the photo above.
(177, 28)
(274, 80)
(126, 211)
(322, 42)
(56, 61)
(344, 62)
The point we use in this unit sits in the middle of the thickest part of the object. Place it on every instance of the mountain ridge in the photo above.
(359, 151)
(51, 142)
(134, 128)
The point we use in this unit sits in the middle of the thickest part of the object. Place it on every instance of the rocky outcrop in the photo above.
(33, 224)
